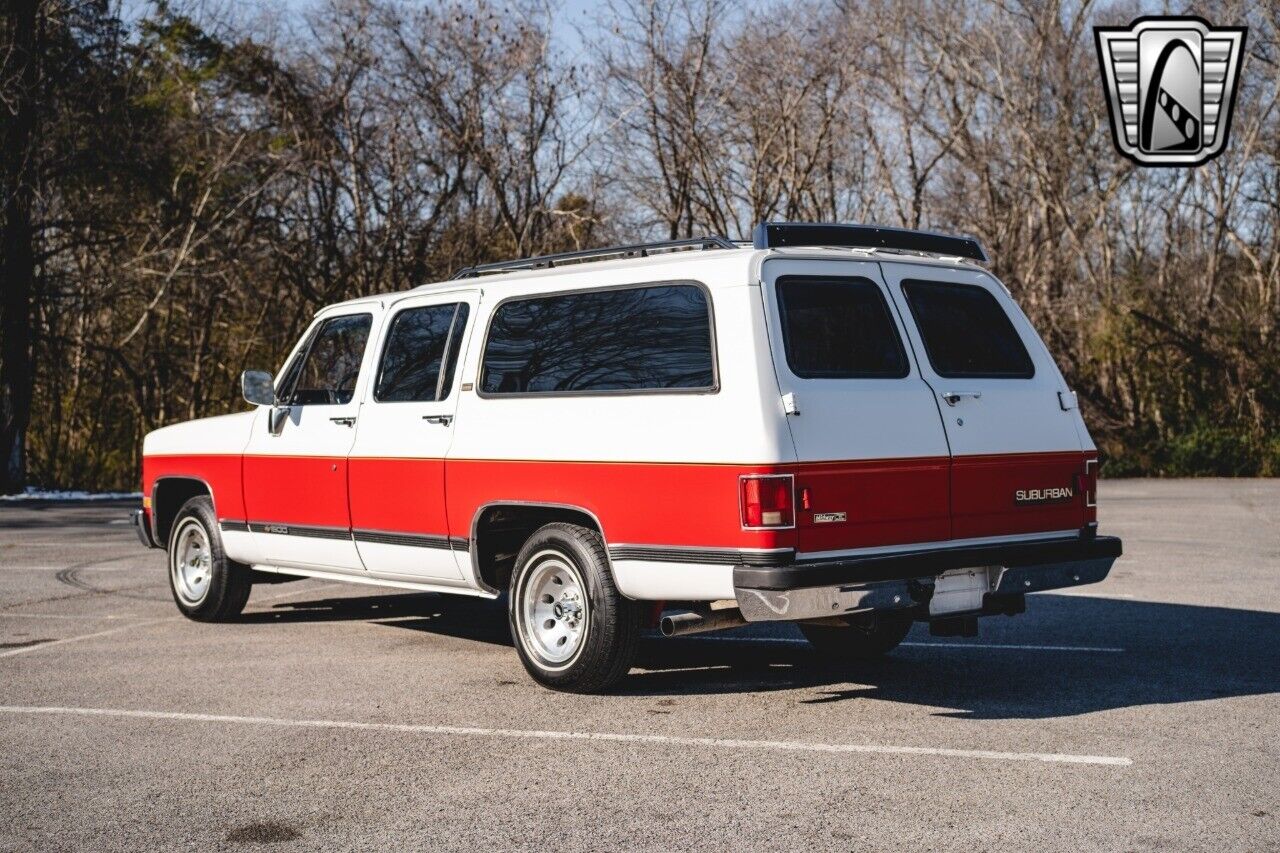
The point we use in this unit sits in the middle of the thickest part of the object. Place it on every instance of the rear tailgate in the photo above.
(1021, 459)
(873, 466)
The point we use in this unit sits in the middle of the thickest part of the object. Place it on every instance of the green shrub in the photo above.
(1270, 457)
(1211, 451)
(1123, 459)
(1203, 450)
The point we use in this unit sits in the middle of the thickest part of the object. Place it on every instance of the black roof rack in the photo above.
(636, 249)
(767, 235)
(774, 235)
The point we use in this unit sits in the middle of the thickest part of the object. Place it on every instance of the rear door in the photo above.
(397, 493)
(873, 459)
(1016, 452)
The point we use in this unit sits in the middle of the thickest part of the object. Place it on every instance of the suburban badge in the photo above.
(1049, 495)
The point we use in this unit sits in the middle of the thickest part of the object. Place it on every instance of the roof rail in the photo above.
(774, 235)
(636, 249)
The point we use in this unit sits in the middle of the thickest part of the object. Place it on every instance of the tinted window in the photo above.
(839, 328)
(332, 364)
(289, 378)
(455, 348)
(415, 353)
(635, 339)
(966, 333)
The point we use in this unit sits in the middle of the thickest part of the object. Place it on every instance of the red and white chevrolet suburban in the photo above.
(843, 426)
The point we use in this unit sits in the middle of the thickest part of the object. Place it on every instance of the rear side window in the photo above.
(839, 328)
(332, 363)
(420, 357)
(966, 333)
(652, 338)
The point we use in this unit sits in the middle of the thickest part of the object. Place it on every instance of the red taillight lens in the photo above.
(1090, 484)
(766, 501)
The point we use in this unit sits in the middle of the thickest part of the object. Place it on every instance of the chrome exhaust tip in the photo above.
(681, 624)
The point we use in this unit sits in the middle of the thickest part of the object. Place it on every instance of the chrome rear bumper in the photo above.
(813, 590)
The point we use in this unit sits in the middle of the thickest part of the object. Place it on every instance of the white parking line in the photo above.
(81, 618)
(529, 734)
(57, 567)
(1017, 647)
(80, 637)
(997, 646)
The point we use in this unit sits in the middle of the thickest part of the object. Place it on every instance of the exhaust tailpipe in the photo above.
(679, 624)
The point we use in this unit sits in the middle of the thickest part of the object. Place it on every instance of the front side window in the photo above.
(839, 328)
(651, 338)
(289, 377)
(421, 353)
(966, 333)
(329, 369)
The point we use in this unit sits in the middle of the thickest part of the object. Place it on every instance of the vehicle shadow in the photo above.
(1147, 653)
(449, 615)
(1143, 653)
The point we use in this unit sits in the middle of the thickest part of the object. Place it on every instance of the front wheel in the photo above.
(863, 638)
(572, 628)
(207, 586)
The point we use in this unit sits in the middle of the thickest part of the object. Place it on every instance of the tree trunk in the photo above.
(17, 255)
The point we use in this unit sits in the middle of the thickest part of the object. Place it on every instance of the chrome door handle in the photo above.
(443, 420)
(344, 421)
(953, 397)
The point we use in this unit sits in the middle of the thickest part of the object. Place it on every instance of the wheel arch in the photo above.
(168, 494)
(499, 528)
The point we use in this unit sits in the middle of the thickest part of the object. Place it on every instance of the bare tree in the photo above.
(181, 194)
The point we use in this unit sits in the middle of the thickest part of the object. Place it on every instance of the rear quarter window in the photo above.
(633, 339)
(966, 333)
(415, 364)
(839, 328)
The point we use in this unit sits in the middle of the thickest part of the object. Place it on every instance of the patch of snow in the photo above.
(34, 494)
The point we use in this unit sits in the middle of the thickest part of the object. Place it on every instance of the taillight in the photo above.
(1090, 484)
(767, 501)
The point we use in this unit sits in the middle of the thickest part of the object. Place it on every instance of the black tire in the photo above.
(607, 626)
(864, 638)
(223, 594)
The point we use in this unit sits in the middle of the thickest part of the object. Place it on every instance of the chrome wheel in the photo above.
(553, 610)
(191, 562)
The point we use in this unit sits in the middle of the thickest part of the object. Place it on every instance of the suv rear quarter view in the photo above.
(846, 427)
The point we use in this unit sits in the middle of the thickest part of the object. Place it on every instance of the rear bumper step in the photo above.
(904, 565)
(902, 581)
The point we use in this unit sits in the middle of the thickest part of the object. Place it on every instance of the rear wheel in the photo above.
(572, 628)
(863, 638)
(206, 585)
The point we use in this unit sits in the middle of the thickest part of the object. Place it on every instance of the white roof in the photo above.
(713, 267)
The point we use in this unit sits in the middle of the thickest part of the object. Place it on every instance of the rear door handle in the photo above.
(443, 420)
(344, 421)
(953, 397)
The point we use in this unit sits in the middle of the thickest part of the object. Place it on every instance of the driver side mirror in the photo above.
(257, 388)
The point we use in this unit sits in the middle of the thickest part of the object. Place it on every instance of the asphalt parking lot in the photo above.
(1138, 714)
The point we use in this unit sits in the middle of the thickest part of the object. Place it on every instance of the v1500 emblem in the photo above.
(1050, 495)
